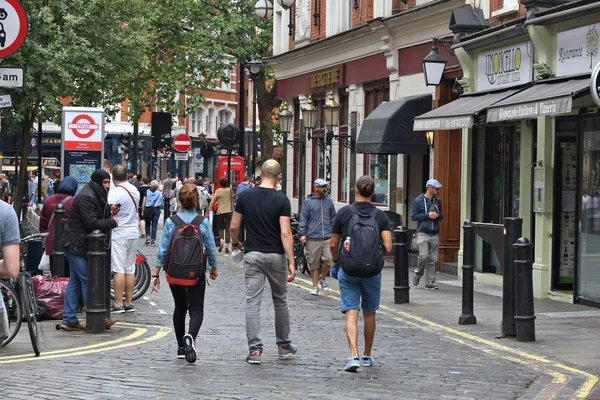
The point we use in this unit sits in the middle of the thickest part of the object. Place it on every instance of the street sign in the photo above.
(595, 84)
(11, 77)
(5, 101)
(181, 156)
(83, 129)
(182, 143)
(13, 27)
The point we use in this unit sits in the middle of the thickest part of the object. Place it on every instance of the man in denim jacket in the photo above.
(427, 212)
(316, 223)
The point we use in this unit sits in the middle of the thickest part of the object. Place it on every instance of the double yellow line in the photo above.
(556, 370)
(133, 339)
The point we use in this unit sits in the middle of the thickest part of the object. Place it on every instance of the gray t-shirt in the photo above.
(9, 230)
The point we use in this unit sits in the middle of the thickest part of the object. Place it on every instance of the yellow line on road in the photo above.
(127, 341)
(583, 391)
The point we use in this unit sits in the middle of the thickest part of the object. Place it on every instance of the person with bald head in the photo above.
(268, 255)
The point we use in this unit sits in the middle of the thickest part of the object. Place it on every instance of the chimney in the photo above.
(466, 20)
(534, 6)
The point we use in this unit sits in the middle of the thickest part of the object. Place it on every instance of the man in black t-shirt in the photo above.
(357, 292)
(266, 215)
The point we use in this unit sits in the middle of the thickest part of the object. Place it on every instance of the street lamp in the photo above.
(263, 9)
(286, 118)
(331, 111)
(309, 114)
(286, 4)
(255, 70)
(429, 136)
(433, 66)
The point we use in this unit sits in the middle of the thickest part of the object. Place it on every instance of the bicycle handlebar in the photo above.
(33, 237)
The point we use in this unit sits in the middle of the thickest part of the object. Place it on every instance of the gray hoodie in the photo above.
(316, 218)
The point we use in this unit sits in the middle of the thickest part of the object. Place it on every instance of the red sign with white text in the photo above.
(83, 130)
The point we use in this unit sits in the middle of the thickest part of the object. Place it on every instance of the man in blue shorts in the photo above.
(358, 292)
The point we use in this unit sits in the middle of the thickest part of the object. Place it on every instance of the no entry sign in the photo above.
(13, 26)
(182, 143)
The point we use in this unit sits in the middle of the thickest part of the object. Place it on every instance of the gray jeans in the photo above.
(428, 254)
(259, 267)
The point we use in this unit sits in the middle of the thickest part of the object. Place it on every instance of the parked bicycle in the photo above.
(299, 256)
(142, 278)
(19, 298)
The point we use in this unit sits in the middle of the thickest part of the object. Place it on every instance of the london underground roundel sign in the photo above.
(13, 26)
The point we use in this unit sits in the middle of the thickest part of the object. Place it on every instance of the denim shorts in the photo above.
(358, 293)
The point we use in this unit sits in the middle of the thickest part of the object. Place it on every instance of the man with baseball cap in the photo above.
(427, 212)
(316, 223)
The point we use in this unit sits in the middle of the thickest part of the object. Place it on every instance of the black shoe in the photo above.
(181, 353)
(431, 286)
(189, 348)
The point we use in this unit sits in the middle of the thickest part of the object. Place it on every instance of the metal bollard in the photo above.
(107, 273)
(24, 207)
(215, 227)
(401, 287)
(95, 307)
(525, 315)
(58, 256)
(467, 317)
(512, 232)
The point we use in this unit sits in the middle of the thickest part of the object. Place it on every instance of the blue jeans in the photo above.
(154, 222)
(76, 288)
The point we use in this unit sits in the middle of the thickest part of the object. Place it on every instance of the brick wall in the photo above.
(364, 12)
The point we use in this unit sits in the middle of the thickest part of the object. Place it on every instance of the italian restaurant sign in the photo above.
(505, 67)
(559, 105)
(577, 50)
(443, 123)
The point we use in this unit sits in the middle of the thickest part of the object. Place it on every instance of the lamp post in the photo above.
(255, 69)
(331, 111)
(206, 152)
(433, 66)
(286, 118)
(307, 124)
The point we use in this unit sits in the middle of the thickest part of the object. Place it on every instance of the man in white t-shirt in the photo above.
(124, 241)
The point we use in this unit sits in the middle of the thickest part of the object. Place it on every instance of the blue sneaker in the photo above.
(353, 364)
(286, 351)
(366, 361)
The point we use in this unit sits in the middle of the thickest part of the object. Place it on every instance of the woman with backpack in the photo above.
(186, 295)
(224, 198)
(152, 205)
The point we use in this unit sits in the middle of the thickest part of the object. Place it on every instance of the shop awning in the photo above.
(11, 168)
(550, 97)
(460, 113)
(388, 129)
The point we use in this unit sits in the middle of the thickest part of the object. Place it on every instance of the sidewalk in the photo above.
(567, 333)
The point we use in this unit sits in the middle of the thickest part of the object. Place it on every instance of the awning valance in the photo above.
(460, 113)
(388, 129)
(549, 97)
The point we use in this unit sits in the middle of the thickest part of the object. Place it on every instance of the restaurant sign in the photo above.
(331, 77)
(505, 67)
(559, 105)
(577, 50)
(443, 123)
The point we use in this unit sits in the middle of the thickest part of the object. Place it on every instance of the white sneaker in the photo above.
(315, 291)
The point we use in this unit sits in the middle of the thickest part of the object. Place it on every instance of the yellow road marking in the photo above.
(121, 343)
(583, 392)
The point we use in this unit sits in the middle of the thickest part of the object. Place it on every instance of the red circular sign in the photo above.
(12, 30)
(83, 122)
(182, 143)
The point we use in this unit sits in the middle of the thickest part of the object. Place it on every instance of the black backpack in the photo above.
(185, 256)
(365, 257)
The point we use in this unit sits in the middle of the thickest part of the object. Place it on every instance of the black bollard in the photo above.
(512, 232)
(467, 317)
(525, 315)
(24, 207)
(107, 274)
(58, 256)
(96, 277)
(401, 286)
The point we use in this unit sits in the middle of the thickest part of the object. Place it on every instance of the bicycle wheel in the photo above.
(142, 270)
(29, 307)
(13, 309)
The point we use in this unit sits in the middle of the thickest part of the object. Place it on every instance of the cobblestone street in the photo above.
(412, 360)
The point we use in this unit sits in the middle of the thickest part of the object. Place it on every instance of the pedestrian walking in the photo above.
(9, 264)
(266, 215)
(153, 203)
(32, 188)
(367, 233)
(66, 197)
(427, 212)
(316, 223)
(168, 191)
(187, 298)
(5, 192)
(124, 238)
(143, 189)
(247, 184)
(224, 198)
(90, 212)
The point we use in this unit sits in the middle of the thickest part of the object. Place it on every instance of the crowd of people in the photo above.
(350, 242)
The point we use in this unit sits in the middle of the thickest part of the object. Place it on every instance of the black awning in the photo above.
(389, 128)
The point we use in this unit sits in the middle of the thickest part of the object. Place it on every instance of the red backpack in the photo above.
(185, 257)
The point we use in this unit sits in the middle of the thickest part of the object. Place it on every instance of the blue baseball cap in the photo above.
(433, 183)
